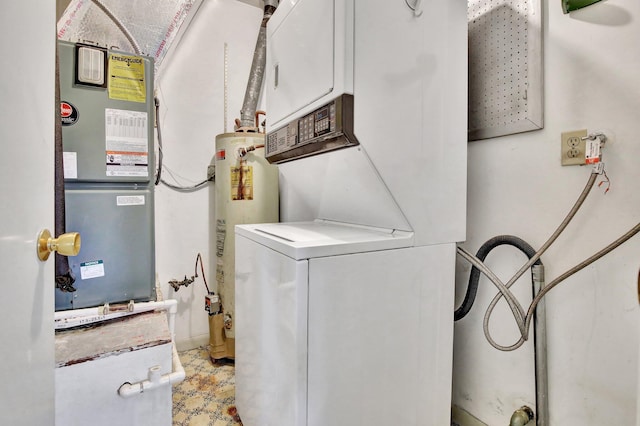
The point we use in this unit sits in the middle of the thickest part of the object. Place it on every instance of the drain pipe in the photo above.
(539, 325)
(155, 378)
(540, 347)
(256, 75)
(85, 316)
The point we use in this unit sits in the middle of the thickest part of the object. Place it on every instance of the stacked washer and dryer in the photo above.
(344, 310)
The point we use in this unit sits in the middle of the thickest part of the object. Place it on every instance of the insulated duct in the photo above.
(156, 26)
(256, 75)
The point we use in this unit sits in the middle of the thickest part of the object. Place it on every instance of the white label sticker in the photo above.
(92, 269)
(70, 162)
(130, 200)
(127, 143)
(592, 154)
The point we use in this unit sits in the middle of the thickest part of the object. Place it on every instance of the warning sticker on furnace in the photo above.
(126, 78)
(92, 269)
(127, 143)
(242, 183)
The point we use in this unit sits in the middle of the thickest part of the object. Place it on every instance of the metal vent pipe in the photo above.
(256, 75)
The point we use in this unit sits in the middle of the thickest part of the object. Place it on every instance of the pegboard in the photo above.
(505, 67)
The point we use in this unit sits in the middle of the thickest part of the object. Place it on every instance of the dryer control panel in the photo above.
(327, 128)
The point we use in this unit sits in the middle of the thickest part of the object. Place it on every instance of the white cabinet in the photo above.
(92, 364)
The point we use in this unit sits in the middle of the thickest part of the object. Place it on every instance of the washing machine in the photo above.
(342, 325)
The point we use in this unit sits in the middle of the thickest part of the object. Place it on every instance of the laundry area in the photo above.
(321, 213)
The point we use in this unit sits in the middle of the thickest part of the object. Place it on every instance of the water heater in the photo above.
(246, 191)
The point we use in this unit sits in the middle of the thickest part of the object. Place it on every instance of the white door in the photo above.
(27, 90)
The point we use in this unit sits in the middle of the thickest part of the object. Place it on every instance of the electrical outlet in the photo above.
(572, 148)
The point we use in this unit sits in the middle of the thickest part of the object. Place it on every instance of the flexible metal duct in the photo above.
(256, 75)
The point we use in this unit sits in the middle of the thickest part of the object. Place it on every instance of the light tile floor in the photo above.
(207, 395)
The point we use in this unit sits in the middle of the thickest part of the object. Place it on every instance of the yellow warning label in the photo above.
(126, 78)
(242, 183)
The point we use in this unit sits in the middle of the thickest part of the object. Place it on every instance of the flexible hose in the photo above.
(617, 243)
(524, 321)
(481, 254)
(516, 308)
(559, 230)
(504, 291)
(554, 236)
(256, 74)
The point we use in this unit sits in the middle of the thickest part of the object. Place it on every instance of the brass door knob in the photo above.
(66, 244)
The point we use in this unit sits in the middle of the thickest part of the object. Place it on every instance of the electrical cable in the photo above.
(190, 188)
(159, 179)
(415, 7)
(120, 25)
(137, 50)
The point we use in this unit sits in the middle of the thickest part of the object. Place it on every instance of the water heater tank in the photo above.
(246, 191)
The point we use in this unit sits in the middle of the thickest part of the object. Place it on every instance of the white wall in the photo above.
(517, 186)
(191, 90)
